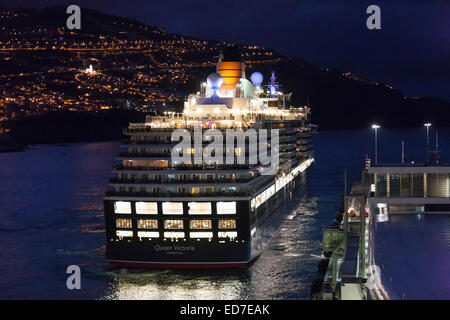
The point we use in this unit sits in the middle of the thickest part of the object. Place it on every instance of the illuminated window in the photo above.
(270, 191)
(171, 234)
(172, 208)
(158, 163)
(124, 233)
(227, 234)
(148, 234)
(146, 208)
(123, 223)
(226, 207)
(200, 224)
(263, 196)
(147, 224)
(258, 201)
(227, 224)
(199, 208)
(122, 207)
(200, 234)
(173, 224)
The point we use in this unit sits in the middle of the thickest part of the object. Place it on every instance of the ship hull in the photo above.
(256, 227)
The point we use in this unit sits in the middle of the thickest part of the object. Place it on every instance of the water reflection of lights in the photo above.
(165, 285)
(382, 214)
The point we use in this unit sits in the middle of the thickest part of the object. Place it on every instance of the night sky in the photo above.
(410, 52)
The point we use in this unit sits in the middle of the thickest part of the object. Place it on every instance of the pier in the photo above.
(390, 238)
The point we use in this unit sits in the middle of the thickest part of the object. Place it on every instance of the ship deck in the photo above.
(413, 252)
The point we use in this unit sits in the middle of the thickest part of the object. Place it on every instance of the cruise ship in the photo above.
(170, 206)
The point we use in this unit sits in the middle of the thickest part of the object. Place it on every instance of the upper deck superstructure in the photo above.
(206, 198)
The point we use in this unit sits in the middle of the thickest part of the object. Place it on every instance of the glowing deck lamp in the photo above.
(273, 85)
(214, 81)
(376, 127)
(257, 79)
(273, 91)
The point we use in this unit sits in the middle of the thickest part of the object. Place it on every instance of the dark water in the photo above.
(51, 216)
(413, 253)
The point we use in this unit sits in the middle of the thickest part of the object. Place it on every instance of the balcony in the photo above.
(239, 167)
(304, 140)
(190, 128)
(144, 155)
(111, 192)
(178, 181)
(148, 142)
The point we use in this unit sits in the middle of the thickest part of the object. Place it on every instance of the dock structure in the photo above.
(390, 239)
(345, 246)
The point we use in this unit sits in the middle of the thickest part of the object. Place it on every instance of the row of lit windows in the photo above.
(415, 185)
(176, 234)
(175, 208)
(279, 184)
(175, 224)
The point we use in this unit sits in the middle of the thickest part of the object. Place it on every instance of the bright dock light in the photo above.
(428, 125)
(376, 127)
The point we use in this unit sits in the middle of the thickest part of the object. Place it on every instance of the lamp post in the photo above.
(376, 127)
(428, 125)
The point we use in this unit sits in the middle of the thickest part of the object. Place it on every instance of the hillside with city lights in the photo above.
(60, 85)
